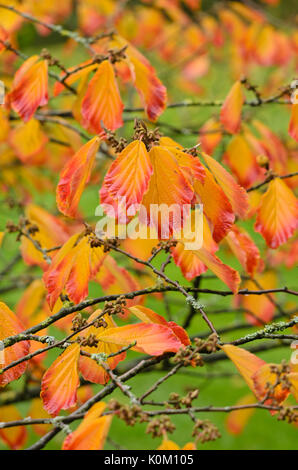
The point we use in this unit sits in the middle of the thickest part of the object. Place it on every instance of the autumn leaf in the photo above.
(92, 432)
(151, 339)
(246, 362)
(168, 445)
(60, 382)
(90, 369)
(259, 308)
(30, 87)
(152, 92)
(3, 37)
(191, 166)
(171, 445)
(74, 74)
(277, 216)
(263, 378)
(14, 437)
(237, 419)
(115, 279)
(71, 269)
(293, 125)
(28, 141)
(265, 46)
(147, 315)
(51, 233)
(273, 147)
(244, 249)
(217, 208)
(37, 411)
(210, 135)
(293, 379)
(10, 325)
(176, 192)
(30, 301)
(128, 176)
(224, 272)
(245, 168)
(194, 262)
(4, 126)
(258, 375)
(74, 177)
(102, 103)
(235, 193)
(230, 113)
(31, 310)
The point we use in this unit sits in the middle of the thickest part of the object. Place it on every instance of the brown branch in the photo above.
(270, 178)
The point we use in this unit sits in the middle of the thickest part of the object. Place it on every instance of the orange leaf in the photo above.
(74, 76)
(238, 419)
(115, 279)
(266, 46)
(210, 135)
(168, 445)
(4, 125)
(51, 233)
(246, 362)
(3, 37)
(74, 177)
(147, 315)
(92, 432)
(171, 445)
(37, 411)
(245, 168)
(102, 103)
(89, 368)
(129, 175)
(30, 311)
(217, 208)
(72, 267)
(190, 265)
(195, 262)
(235, 193)
(293, 379)
(277, 216)
(264, 376)
(293, 125)
(244, 249)
(30, 301)
(30, 87)
(28, 142)
(230, 113)
(259, 306)
(190, 446)
(272, 145)
(191, 166)
(151, 338)
(60, 382)
(152, 92)
(10, 325)
(176, 193)
(14, 437)
(227, 274)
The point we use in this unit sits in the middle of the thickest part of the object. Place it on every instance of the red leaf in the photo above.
(60, 382)
(102, 103)
(10, 326)
(30, 87)
(74, 177)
